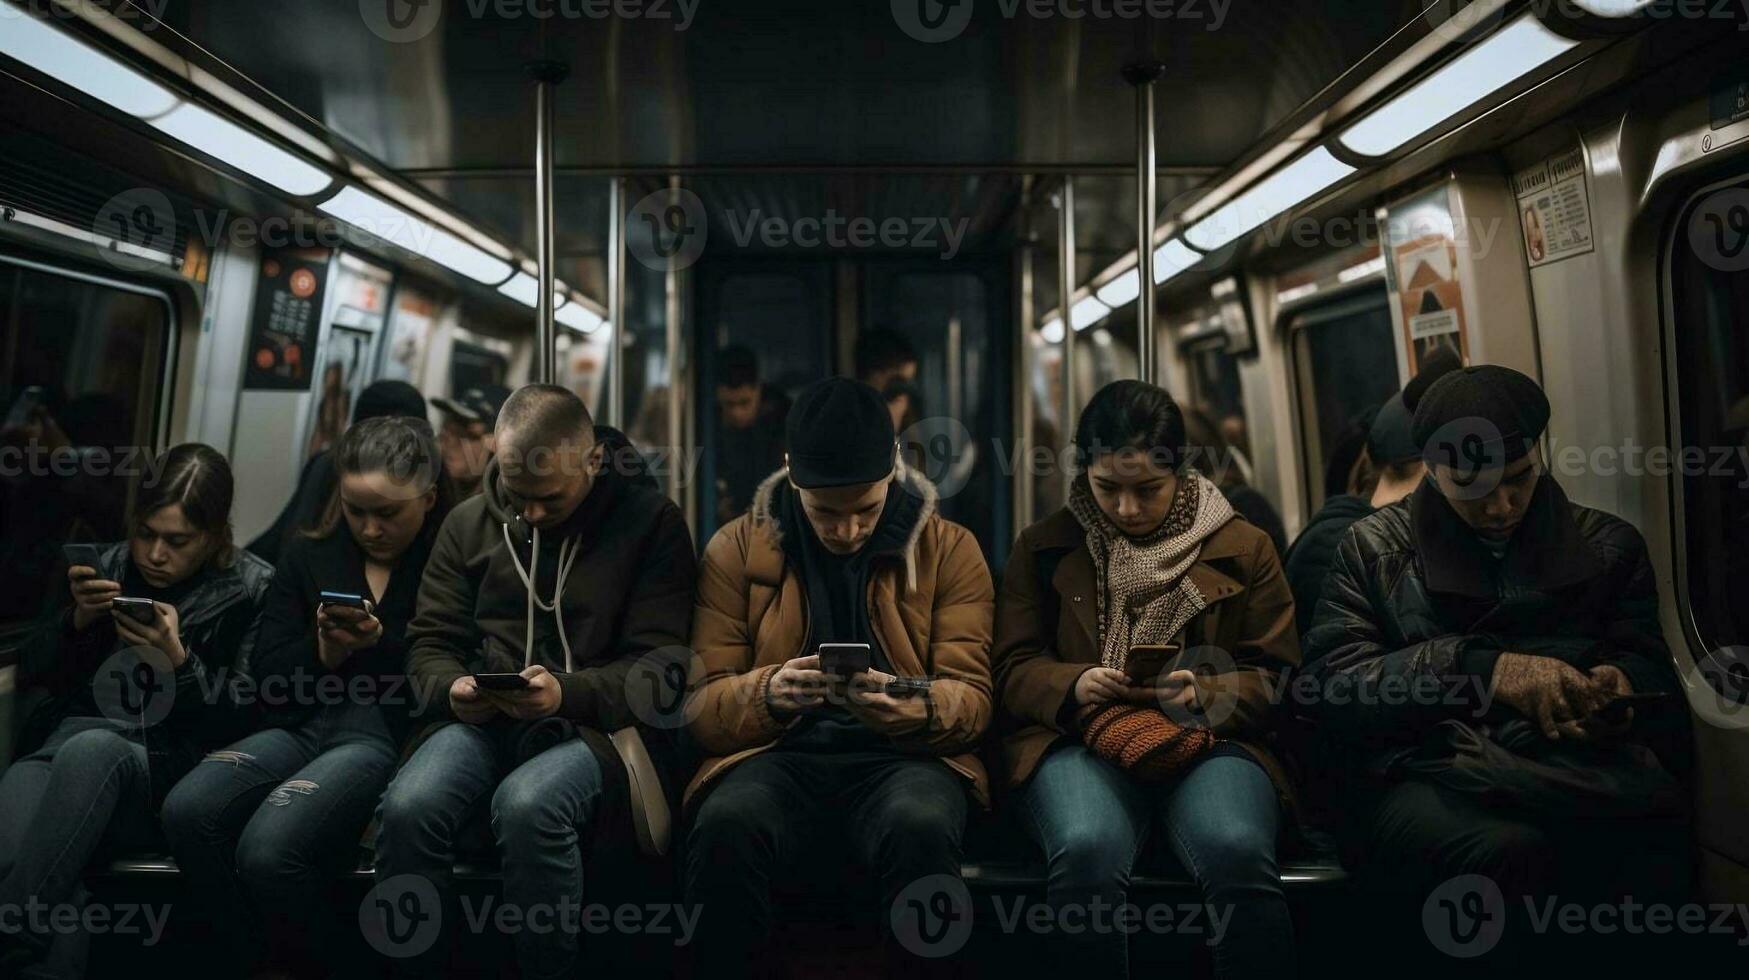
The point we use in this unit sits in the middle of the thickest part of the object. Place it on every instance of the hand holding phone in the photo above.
(500, 682)
(1148, 661)
(91, 595)
(842, 661)
(142, 611)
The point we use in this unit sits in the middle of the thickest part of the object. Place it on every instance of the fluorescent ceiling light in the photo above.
(80, 66)
(1172, 258)
(378, 218)
(1088, 311)
(525, 289)
(217, 136)
(1122, 290)
(1612, 8)
(1052, 331)
(1280, 192)
(1507, 55)
(579, 317)
(1362, 270)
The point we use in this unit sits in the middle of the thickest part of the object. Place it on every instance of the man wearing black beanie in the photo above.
(1524, 630)
(844, 632)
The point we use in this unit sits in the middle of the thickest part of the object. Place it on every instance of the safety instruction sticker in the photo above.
(1554, 208)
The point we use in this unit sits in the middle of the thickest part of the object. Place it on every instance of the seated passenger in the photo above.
(844, 546)
(1506, 620)
(262, 827)
(1396, 460)
(1148, 552)
(133, 703)
(568, 572)
(1214, 459)
(467, 437)
(750, 418)
(381, 399)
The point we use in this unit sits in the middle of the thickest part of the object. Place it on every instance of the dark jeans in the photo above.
(903, 817)
(260, 828)
(540, 811)
(86, 792)
(1220, 819)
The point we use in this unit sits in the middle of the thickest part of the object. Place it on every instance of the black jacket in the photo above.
(1415, 601)
(1254, 507)
(1308, 562)
(286, 666)
(218, 620)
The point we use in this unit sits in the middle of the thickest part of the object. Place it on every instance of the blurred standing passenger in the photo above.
(467, 438)
(1212, 457)
(750, 418)
(886, 362)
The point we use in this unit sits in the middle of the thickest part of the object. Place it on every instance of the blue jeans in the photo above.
(86, 791)
(1220, 820)
(539, 810)
(261, 828)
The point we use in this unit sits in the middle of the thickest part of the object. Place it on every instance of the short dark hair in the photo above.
(198, 478)
(1127, 415)
(543, 415)
(882, 350)
(403, 447)
(737, 367)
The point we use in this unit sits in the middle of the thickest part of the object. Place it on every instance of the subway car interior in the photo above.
(222, 222)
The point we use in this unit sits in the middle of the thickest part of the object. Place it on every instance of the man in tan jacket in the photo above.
(843, 547)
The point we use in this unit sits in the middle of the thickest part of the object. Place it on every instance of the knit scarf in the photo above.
(1144, 593)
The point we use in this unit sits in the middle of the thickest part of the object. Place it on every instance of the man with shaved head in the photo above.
(542, 594)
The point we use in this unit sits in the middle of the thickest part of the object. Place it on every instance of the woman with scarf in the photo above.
(1143, 635)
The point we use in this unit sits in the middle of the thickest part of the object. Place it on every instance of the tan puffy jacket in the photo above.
(932, 615)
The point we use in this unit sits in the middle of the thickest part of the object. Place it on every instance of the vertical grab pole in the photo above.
(547, 76)
(616, 301)
(1143, 76)
(1066, 297)
(679, 391)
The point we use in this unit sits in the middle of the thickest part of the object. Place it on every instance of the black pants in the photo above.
(904, 818)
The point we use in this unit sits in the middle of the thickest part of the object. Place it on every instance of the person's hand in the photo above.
(91, 595)
(468, 703)
(869, 702)
(1614, 684)
(1176, 690)
(538, 700)
(1102, 684)
(161, 634)
(342, 631)
(798, 686)
(1550, 692)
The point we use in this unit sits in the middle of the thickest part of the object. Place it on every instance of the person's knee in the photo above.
(1230, 857)
(190, 814)
(913, 824)
(269, 862)
(412, 810)
(94, 751)
(1517, 855)
(729, 825)
(1090, 855)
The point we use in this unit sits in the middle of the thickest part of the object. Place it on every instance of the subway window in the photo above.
(1709, 303)
(79, 368)
(1345, 363)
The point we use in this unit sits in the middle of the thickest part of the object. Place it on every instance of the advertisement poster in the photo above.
(288, 315)
(1423, 249)
(409, 337)
(1554, 208)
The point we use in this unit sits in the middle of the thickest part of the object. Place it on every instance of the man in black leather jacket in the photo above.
(1488, 605)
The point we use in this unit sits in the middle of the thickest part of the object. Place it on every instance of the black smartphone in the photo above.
(141, 611)
(1147, 661)
(347, 599)
(1617, 708)
(904, 687)
(845, 659)
(500, 682)
(89, 555)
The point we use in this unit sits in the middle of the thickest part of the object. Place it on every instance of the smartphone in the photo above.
(1147, 661)
(904, 687)
(1617, 708)
(845, 659)
(348, 599)
(500, 682)
(89, 555)
(141, 611)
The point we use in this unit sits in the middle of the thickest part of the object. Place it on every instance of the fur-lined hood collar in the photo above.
(763, 514)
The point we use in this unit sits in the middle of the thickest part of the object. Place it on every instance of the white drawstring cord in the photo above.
(569, 549)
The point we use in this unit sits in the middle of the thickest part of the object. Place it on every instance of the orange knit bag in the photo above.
(1142, 741)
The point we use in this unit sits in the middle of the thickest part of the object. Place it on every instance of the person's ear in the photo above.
(428, 500)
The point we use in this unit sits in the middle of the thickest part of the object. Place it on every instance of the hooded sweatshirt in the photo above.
(585, 599)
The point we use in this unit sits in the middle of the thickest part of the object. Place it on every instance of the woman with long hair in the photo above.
(261, 827)
(137, 681)
(1141, 633)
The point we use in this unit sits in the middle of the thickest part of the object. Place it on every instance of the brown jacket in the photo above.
(1246, 635)
(930, 613)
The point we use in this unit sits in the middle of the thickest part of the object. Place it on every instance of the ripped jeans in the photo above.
(261, 828)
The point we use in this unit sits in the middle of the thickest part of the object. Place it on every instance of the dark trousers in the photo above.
(260, 829)
(902, 817)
